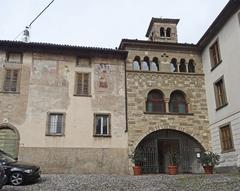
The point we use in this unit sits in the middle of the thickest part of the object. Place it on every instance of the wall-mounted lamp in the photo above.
(198, 152)
(198, 155)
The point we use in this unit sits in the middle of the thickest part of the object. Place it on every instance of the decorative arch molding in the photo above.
(168, 93)
(12, 127)
(159, 128)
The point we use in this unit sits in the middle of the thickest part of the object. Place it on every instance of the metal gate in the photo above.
(154, 149)
(150, 155)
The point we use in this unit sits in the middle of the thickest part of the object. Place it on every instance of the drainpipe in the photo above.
(126, 100)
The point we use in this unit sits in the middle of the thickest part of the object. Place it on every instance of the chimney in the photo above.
(26, 35)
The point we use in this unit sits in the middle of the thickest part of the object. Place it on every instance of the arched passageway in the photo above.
(155, 148)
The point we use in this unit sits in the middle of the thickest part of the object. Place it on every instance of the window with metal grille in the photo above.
(215, 54)
(178, 102)
(82, 84)
(102, 125)
(220, 93)
(226, 138)
(56, 124)
(155, 102)
(11, 80)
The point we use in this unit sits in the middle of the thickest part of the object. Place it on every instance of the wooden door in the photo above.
(8, 142)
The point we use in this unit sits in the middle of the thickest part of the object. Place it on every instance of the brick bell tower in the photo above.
(163, 30)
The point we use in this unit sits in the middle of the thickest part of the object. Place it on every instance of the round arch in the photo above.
(155, 101)
(9, 139)
(157, 144)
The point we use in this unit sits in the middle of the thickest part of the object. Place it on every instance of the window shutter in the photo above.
(85, 82)
(79, 84)
(82, 84)
(10, 81)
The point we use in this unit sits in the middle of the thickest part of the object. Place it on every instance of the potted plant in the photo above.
(172, 166)
(209, 160)
(136, 158)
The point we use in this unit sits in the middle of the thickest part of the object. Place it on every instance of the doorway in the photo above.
(156, 146)
(166, 147)
(9, 141)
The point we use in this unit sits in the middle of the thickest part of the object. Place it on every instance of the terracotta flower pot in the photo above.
(137, 170)
(208, 169)
(172, 170)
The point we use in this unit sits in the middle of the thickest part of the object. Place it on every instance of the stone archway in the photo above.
(155, 147)
(9, 139)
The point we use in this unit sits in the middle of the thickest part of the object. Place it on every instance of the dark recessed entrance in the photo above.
(157, 145)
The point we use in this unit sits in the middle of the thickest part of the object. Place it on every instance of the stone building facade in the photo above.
(222, 75)
(63, 107)
(150, 69)
(84, 110)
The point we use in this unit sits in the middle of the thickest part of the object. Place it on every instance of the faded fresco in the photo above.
(47, 72)
(103, 76)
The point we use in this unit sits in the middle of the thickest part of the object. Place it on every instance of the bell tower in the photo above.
(163, 30)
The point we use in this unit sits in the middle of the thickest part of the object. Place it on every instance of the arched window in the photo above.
(182, 66)
(173, 65)
(178, 102)
(168, 32)
(155, 102)
(191, 66)
(145, 64)
(162, 32)
(136, 63)
(154, 64)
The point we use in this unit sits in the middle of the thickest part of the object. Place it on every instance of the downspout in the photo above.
(126, 100)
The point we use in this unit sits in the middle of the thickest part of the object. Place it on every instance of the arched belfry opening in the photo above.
(156, 146)
(163, 30)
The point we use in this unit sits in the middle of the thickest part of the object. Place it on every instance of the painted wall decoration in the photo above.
(45, 71)
(103, 73)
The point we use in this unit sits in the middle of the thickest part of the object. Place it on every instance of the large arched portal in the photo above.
(155, 148)
(9, 140)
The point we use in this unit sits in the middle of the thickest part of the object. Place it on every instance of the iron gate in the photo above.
(153, 148)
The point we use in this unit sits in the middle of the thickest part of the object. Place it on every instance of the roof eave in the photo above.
(231, 8)
(127, 43)
(63, 49)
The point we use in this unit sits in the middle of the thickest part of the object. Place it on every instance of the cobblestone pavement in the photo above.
(121, 183)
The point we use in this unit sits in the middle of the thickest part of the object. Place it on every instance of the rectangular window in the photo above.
(14, 57)
(102, 125)
(220, 93)
(11, 80)
(226, 138)
(56, 122)
(215, 54)
(82, 84)
(83, 62)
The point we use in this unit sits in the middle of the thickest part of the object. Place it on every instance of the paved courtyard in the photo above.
(138, 183)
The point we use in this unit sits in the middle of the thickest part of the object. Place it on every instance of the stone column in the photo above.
(188, 105)
(178, 64)
(167, 105)
(186, 67)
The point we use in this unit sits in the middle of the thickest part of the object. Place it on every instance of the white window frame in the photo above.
(102, 115)
(51, 133)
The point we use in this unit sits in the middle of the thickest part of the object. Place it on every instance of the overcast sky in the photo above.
(103, 23)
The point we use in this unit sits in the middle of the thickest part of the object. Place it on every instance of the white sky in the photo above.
(103, 23)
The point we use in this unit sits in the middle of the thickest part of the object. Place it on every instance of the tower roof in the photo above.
(160, 20)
